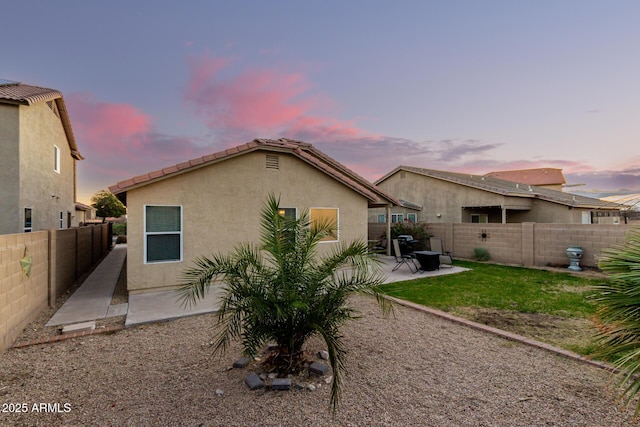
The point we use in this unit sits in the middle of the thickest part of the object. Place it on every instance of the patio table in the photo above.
(428, 260)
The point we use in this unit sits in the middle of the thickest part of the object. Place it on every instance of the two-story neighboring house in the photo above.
(38, 155)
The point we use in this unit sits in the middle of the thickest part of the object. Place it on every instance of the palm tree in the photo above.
(282, 291)
(618, 313)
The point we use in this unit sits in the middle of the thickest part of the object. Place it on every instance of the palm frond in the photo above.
(282, 291)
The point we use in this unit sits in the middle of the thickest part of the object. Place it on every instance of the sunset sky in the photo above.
(466, 86)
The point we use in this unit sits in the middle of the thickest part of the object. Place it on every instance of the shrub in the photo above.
(120, 228)
(418, 231)
(618, 313)
(481, 254)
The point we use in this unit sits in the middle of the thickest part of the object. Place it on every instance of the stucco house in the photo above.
(84, 214)
(38, 155)
(210, 204)
(448, 197)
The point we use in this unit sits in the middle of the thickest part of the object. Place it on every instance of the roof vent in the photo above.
(273, 161)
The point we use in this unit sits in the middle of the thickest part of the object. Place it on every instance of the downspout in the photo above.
(388, 230)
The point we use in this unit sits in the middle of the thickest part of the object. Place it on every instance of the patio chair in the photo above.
(379, 246)
(406, 259)
(446, 260)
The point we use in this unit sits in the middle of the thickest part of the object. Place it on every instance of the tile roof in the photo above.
(508, 188)
(19, 93)
(538, 176)
(22, 94)
(302, 150)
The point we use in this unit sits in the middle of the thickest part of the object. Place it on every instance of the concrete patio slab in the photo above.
(403, 273)
(79, 327)
(159, 306)
(117, 310)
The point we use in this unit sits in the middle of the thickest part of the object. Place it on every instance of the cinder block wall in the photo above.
(551, 241)
(55, 257)
(526, 244)
(22, 297)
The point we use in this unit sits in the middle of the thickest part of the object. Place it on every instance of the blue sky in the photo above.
(466, 86)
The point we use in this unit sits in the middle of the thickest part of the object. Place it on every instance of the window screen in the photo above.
(163, 233)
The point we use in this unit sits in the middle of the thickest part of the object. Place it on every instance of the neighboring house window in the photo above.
(28, 220)
(61, 221)
(323, 216)
(382, 218)
(288, 212)
(412, 218)
(162, 233)
(479, 218)
(397, 218)
(56, 159)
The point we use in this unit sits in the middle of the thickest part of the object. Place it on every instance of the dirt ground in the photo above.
(569, 333)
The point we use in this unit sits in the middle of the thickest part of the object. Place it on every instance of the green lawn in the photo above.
(550, 306)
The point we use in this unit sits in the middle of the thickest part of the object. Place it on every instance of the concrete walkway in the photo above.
(92, 300)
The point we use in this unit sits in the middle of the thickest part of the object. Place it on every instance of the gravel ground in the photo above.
(414, 369)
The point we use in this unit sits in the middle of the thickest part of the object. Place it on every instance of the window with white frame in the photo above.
(28, 220)
(412, 217)
(56, 159)
(382, 218)
(395, 218)
(61, 220)
(162, 233)
(326, 216)
(479, 218)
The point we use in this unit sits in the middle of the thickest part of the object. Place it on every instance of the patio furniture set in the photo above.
(420, 260)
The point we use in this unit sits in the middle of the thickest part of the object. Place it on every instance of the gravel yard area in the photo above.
(414, 369)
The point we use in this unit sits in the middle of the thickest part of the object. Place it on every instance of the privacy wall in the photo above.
(526, 244)
(36, 268)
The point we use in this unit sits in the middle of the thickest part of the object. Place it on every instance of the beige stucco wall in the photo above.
(29, 134)
(442, 202)
(40, 129)
(9, 169)
(221, 206)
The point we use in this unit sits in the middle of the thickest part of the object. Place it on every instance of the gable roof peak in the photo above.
(302, 150)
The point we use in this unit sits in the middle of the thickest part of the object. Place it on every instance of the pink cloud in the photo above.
(118, 141)
(259, 102)
(105, 127)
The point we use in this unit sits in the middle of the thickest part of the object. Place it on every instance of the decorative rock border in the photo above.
(255, 381)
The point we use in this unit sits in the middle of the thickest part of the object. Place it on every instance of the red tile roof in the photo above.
(25, 94)
(21, 94)
(302, 150)
(540, 176)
